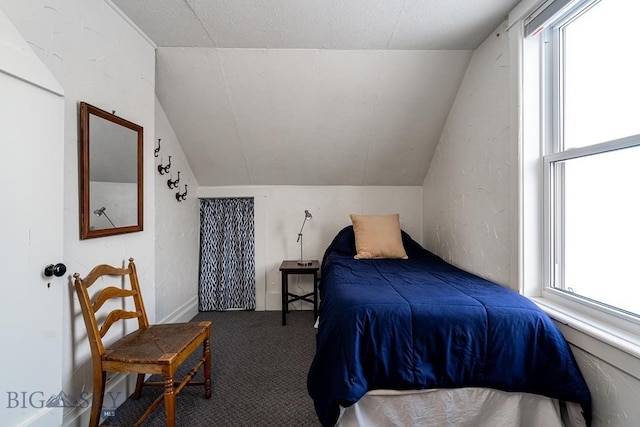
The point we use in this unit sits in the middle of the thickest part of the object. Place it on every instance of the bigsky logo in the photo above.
(35, 399)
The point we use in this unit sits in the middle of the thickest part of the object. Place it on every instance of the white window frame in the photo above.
(550, 230)
(609, 334)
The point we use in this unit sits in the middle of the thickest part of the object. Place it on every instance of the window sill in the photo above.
(613, 345)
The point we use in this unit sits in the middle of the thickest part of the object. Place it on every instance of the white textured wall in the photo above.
(615, 394)
(177, 230)
(279, 213)
(98, 58)
(468, 204)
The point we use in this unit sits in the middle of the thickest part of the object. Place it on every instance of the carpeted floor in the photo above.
(259, 375)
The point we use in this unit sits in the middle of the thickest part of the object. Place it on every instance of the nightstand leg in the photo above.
(285, 291)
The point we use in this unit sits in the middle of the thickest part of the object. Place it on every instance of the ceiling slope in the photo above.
(308, 117)
(308, 92)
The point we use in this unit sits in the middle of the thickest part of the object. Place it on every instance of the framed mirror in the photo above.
(111, 199)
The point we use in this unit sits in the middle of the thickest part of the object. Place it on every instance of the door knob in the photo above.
(55, 270)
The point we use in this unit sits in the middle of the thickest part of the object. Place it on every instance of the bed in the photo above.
(403, 327)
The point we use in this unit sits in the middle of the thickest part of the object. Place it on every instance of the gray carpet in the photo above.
(258, 373)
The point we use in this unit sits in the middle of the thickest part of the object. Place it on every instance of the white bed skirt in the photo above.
(473, 407)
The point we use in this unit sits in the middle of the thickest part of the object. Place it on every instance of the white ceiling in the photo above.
(311, 92)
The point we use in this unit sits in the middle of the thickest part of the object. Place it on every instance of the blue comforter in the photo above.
(422, 323)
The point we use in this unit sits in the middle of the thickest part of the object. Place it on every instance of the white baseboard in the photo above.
(184, 313)
(41, 418)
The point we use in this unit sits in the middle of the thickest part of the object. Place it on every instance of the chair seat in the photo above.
(157, 344)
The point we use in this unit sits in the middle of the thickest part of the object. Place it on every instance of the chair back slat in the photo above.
(104, 270)
(114, 316)
(108, 293)
(95, 331)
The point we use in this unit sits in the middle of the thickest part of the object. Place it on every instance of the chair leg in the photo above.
(170, 402)
(207, 368)
(97, 398)
(139, 383)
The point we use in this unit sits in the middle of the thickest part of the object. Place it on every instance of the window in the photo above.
(591, 156)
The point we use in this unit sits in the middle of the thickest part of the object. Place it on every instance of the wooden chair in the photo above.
(151, 349)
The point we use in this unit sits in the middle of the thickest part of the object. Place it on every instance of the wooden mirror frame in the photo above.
(86, 111)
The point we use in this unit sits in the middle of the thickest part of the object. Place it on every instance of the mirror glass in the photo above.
(110, 174)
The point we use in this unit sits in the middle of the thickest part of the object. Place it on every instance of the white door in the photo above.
(31, 233)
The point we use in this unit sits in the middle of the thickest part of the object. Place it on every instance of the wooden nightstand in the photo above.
(291, 267)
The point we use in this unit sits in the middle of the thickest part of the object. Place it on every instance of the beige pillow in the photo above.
(378, 236)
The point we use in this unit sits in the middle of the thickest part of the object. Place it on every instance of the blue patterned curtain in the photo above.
(227, 261)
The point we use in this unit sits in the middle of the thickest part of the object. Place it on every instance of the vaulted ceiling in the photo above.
(311, 92)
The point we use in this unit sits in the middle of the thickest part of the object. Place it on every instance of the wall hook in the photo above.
(183, 196)
(157, 150)
(174, 184)
(164, 169)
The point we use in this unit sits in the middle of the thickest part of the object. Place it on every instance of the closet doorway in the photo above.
(227, 254)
